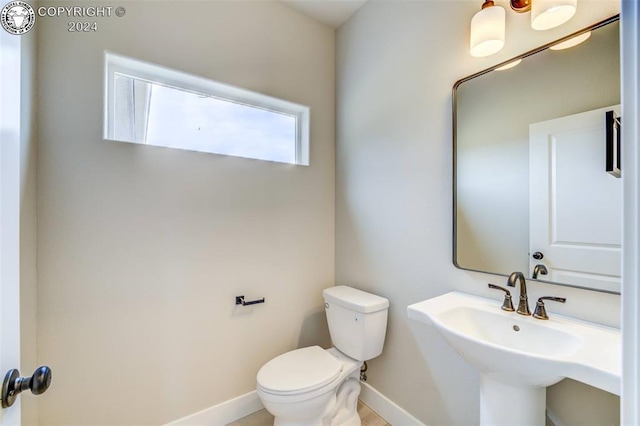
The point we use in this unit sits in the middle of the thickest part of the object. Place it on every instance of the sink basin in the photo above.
(518, 356)
(509, 348)
(506, 333)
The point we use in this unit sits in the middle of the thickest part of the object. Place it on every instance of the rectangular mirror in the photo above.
(531, 187)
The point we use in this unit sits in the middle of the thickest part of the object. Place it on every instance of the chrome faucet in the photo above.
(523, 304)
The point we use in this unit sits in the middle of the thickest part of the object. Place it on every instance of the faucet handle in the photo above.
(507, 305)
(541, 312)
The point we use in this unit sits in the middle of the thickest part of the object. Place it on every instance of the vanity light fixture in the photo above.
(547, 14)
(572, 41)
(487, 30)
(488, 25)
(509, 65)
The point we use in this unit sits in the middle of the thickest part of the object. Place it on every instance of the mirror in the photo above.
(531, 192)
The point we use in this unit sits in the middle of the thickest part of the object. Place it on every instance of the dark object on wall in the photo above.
(612, 127)
(240, 301)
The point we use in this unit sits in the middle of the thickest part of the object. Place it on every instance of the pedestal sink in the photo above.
(519, 356)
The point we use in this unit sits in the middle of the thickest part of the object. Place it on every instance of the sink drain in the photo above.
(516, 328)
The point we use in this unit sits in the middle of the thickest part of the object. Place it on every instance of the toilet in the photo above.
(317, 387)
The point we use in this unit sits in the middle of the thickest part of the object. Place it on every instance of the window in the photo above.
(153, 105)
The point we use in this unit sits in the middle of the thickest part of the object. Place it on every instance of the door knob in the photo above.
(537, 255)
(13, 384)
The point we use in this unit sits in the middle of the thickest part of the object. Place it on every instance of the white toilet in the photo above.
(316, 387)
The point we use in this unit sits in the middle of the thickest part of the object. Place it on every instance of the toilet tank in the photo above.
(357, 321)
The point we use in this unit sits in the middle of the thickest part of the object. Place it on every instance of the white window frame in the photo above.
(115, 63)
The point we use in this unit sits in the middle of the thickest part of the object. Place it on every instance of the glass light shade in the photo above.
(509, 65)
(547, 14)
(487, 31)
(571, 42)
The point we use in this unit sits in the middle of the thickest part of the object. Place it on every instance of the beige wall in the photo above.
(396, 65)
(141, 250)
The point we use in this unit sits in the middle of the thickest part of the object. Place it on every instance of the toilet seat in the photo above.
(299, 371)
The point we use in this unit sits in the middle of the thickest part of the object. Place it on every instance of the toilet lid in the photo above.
(303, 369)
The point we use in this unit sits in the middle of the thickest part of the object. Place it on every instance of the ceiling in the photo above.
(329, 12)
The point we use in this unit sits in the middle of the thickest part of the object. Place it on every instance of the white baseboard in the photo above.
(236, 408)
(387, 409)
(243, 405)
(223, 413)
(553, 419)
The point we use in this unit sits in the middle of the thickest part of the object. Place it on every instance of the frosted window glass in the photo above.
(160, 115)
(150, 104)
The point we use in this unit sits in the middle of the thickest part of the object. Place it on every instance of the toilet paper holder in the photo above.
(240, 301)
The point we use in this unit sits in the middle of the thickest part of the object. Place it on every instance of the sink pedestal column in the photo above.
(506, 405)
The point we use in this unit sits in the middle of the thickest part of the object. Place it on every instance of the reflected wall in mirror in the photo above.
(531, 192)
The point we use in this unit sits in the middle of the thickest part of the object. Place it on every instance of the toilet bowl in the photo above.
(301, 387)
(316, 387)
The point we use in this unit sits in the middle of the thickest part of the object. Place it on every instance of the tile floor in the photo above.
(263, 418)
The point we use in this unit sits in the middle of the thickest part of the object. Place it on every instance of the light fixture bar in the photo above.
(521, 6)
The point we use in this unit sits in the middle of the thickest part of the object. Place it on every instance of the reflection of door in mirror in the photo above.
(575, 205)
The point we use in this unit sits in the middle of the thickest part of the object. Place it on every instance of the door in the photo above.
(9, 214)
(575, 205)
